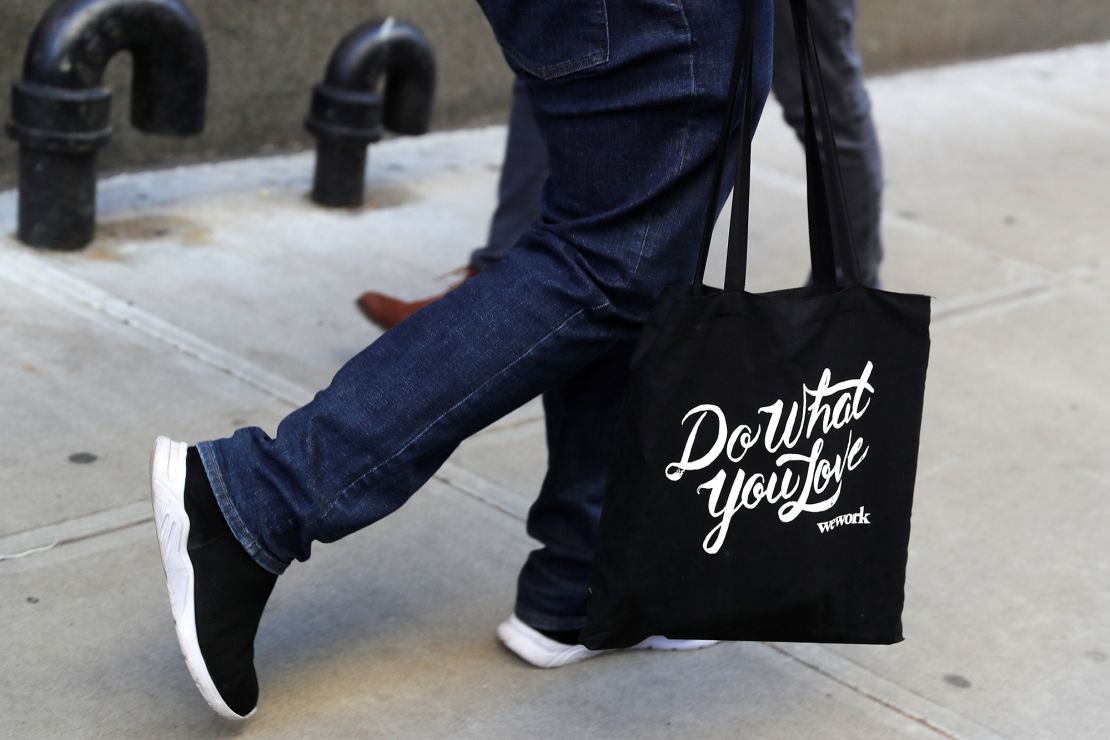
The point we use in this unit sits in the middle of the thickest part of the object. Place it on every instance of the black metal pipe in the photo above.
(347, 114)
(61, 111)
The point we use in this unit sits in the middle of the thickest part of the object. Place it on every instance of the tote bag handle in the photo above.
(830, 233)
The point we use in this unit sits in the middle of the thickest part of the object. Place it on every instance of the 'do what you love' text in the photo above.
(808, 476)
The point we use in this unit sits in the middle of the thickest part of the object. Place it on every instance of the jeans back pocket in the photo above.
(550, 38)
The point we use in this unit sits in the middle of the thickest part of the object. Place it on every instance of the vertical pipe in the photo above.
(347, 113)
(60, 113)
(340, 174)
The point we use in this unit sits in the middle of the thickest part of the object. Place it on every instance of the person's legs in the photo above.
(629, 96)
(857, 144)
(520, 186)
(631, 130)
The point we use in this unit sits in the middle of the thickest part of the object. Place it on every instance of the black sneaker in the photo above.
(217, 591)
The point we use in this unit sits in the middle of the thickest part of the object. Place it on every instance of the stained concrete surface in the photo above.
(217, 295)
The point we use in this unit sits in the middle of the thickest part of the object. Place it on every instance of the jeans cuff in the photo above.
(231, 513)
(540, 621)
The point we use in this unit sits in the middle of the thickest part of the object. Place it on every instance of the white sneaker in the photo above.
(541, 651)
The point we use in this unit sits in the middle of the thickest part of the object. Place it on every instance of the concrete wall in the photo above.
(266, 54)
(895, 34)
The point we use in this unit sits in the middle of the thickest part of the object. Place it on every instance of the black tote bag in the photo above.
(764, 463)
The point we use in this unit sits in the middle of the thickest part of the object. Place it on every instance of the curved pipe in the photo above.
(400, 53)
(61, 111)
(347, 113)
(75, 40)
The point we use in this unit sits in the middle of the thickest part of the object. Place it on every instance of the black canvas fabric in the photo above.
(764, 465)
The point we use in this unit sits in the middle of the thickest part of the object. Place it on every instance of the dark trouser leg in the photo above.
(520, 186)
(857, 144)
(581, 418)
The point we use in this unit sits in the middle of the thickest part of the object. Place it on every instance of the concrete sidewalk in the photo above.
(217, 295)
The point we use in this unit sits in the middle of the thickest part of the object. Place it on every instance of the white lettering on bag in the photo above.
(805, 480)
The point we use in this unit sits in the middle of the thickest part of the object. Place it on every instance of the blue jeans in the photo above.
(629, 96)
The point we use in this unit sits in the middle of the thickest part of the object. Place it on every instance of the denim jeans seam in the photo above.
(693, 85)
(425, 430)
(234, 519)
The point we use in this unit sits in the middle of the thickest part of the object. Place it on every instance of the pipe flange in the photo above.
(60, 119)
(340, 114)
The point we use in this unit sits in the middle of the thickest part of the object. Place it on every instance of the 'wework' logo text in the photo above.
(858, 517)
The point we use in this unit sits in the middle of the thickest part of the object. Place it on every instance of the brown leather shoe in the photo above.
(387, 311)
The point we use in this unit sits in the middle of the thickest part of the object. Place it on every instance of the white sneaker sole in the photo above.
(167, 493)
(541, 651)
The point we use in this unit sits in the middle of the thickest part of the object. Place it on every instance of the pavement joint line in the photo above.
(78, 295)
(866, 683)
(23, 544)
(112, 529)
(29, 542)
(1031, 294)
(990, 305)
(477, 487)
